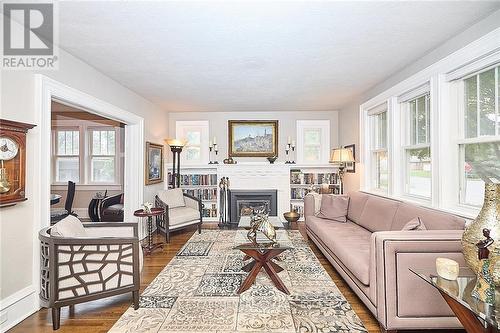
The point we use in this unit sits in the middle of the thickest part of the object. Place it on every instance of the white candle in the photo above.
(210, 143)
(289, 140)
(293, 143)
(215, 140)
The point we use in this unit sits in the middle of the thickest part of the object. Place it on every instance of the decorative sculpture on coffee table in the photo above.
(485, 287)
(488, 218)
(259, 221)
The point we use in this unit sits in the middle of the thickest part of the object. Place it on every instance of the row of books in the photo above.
(210, 211)
(203, 193)
(196, 179)
(299, 177)
(301, 192)
(297, 208)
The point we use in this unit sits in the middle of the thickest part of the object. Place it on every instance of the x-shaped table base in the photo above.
(263, 259)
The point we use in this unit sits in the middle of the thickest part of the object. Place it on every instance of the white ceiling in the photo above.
(259, 56)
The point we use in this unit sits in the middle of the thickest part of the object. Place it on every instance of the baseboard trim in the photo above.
(18, 307)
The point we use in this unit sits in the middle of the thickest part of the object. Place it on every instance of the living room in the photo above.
(268, 166)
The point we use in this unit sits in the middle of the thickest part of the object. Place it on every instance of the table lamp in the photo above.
(341, 156)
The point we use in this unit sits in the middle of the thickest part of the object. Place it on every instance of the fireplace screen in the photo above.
(242, 202)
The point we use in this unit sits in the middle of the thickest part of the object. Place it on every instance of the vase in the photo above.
(488, 218)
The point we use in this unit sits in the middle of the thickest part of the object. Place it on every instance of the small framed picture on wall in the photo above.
(351, 166)
(154, 163)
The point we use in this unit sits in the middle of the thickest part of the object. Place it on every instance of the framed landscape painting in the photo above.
(154, 163)
(253, 138)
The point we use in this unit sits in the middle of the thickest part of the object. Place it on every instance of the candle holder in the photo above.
(287, 151)
(210, 148)
(293, 153)
(216, 150)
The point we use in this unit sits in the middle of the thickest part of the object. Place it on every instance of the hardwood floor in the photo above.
(99, 316)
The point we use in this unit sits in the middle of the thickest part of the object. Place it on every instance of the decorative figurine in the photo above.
(260, 222)
(147, 207)
(485, 287)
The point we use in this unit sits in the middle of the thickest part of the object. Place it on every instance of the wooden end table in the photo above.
(150, 247)
(262, 255)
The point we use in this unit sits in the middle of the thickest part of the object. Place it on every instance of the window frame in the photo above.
(89, 156)
(202, 126)
(407, 145)
(55, 153)
(463, 140)
(374, 149)
(302, 126)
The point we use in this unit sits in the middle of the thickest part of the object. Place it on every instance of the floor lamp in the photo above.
(176, 148)
(341, 156)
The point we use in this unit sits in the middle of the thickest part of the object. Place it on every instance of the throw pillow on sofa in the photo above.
(70, 226)
(414, 224)
(317, 202)
(173, 198)
(334, 207)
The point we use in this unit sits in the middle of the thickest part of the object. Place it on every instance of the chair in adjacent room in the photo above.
(111, 209)
(181, 210)
(57, 214)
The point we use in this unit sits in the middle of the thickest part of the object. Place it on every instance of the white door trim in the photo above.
(47, 89)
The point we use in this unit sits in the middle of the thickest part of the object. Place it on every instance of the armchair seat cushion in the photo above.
(182, 215)
(58, 212)
(349, 242)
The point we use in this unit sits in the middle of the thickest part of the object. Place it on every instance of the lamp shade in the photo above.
(341, 155)
(175, 142)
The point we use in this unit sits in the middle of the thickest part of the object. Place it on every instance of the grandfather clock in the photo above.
(12, 161)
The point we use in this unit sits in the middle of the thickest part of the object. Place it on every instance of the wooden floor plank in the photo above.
(99, 316)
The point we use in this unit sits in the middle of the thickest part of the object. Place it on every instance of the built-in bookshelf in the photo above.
(201, 183)
(304, 180)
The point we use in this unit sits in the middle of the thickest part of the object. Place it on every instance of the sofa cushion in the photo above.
(69, 226)
(432, 219)
(334, 207)
(180, 215)
(173, 198)
(378, 214)
(349, 242)
(317, 201)
(357, 201)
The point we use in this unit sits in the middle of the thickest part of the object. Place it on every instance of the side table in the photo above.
(150, 247)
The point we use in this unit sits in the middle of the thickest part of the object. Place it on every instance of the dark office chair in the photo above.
(57, 214)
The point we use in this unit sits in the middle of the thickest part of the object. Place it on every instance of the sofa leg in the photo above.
(199, 228)
(382, 329)
(56, 318)
(135, 297)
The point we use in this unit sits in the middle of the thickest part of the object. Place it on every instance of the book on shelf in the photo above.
(305, 178)
(202, 193)
(196, 179)
(301, 192)
(209, 210)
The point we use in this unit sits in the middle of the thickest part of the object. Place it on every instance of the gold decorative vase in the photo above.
(489, 218)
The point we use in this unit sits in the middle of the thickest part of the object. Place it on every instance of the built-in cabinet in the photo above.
(291, 181)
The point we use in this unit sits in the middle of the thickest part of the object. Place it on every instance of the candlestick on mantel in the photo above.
(215, 140)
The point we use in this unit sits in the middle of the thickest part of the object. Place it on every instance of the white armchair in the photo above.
(181, 210)
(84, 262)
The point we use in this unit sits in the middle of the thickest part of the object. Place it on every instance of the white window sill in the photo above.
(88, 187)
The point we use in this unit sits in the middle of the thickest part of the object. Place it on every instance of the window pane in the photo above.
(68, 142)
(194, 137)
(481, 164)
(61, 139)
(381, 170)
(312, 136)
(67, 168)
(312, 153)
(419, 172)
(103, 142)
(379, 130)
(192, 153)
(487, 102)
(103, 169)
(421, 120)
(471, 107)
(96, 142)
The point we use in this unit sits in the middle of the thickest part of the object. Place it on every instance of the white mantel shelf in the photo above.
(259, 165)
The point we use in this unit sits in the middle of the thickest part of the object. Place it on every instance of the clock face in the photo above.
(8, 148)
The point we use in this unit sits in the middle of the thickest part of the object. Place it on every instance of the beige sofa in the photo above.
(373, 255)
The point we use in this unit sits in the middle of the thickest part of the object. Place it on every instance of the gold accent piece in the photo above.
(260, 222)
(488, 218)
(291, 216)
(4, 181)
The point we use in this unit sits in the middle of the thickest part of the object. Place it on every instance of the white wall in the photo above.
(349, 114)
(287, 126)
(17, 223)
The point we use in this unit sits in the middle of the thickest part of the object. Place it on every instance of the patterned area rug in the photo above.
(197, 292)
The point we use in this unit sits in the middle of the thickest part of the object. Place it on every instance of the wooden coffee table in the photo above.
(263, 254)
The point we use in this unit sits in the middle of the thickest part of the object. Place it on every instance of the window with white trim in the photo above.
(479, 147)
(378, 150)
(67, 155)
(196, 133)
(313, 141)
(417, 148)
(103, 155)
